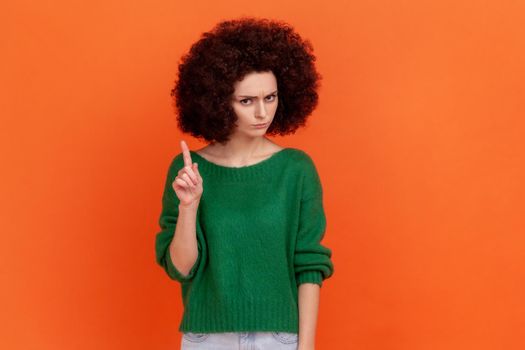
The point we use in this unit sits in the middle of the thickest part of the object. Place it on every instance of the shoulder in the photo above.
(297, 153)
(307, 172)
(177, 159)
(302, 159)
(176, 163)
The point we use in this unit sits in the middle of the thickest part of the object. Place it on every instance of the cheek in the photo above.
(238, 111)
(242, 114)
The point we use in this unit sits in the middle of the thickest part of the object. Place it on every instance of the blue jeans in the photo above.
(240, 341)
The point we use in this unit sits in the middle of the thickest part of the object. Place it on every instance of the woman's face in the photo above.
(255, 102)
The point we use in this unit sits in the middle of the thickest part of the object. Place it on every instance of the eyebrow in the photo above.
(256, 96)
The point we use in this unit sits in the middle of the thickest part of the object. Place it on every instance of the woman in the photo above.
(242, 218)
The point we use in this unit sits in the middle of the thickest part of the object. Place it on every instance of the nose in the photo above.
(261, 110)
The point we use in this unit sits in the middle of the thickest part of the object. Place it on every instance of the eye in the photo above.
(270, 98)
(274, 97)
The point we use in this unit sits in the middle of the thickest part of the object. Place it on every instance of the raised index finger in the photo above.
(186, 154)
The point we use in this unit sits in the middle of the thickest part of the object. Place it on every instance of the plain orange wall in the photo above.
(418, 139)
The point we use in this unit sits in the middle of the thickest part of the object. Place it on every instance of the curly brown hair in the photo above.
(233, 48)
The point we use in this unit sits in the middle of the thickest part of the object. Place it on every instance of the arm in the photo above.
(183, 247)
(177, 248)
(308, 309)
(312, 260)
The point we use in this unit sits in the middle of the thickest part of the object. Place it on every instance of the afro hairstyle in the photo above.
(203, 92)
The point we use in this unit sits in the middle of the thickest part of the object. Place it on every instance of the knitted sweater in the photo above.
(259, 229)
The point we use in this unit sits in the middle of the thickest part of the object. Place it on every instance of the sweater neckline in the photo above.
(242, 172)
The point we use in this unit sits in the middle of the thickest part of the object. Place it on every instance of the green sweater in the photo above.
(259, 229)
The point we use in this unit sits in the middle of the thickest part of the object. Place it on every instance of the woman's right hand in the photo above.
(188, 183)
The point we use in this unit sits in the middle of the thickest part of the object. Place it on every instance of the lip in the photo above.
(260, 125)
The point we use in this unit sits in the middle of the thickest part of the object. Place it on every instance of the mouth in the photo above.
(259, 125)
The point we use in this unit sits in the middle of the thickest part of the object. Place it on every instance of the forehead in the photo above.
(256, 82)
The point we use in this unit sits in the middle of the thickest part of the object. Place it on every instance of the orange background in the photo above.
(418, 139)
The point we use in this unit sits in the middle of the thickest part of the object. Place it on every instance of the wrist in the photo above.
(189, 207)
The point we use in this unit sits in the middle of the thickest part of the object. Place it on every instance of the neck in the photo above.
(241, 149)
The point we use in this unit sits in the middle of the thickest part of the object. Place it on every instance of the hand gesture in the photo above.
(188, 183)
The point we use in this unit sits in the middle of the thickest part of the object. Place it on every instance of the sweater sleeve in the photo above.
(168, 222)
(312, 260)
